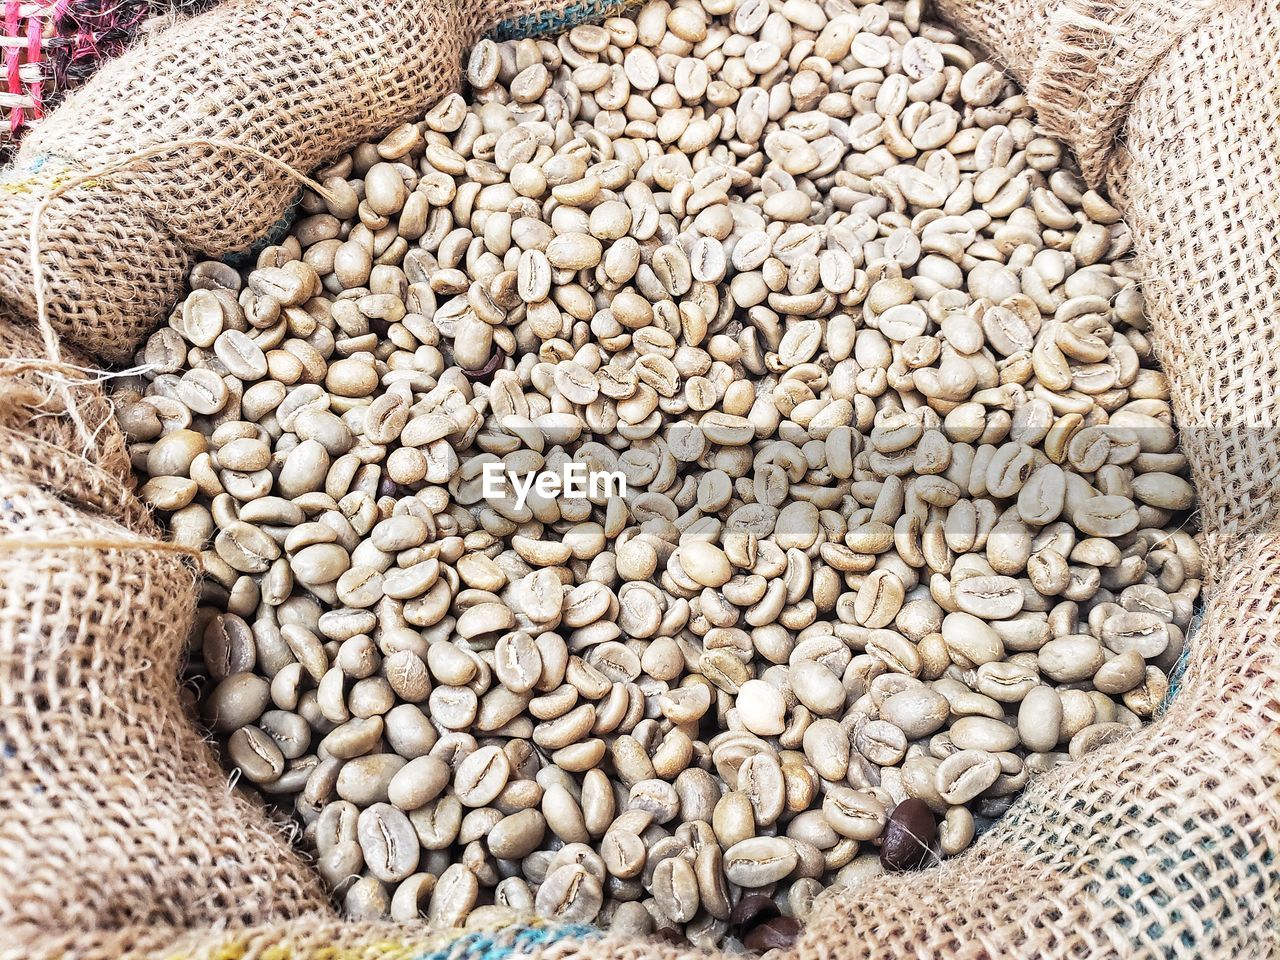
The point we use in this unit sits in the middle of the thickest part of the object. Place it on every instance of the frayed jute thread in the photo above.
(13, 544)
(65, 377)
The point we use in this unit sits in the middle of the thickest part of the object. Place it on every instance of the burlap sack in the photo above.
(118, 833)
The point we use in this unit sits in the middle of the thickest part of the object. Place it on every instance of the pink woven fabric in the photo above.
(49, 46)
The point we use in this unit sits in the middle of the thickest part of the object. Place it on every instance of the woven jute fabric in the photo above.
(114, 809)
(120, 836)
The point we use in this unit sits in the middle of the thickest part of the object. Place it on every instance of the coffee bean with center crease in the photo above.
(570, 894)
(908, 836)
(256, 754)
(389, 842)
(759, 861)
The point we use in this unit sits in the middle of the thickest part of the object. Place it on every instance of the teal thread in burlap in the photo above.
(276, 234)
(546, 22)
(1189, 873)
(1180, 668)
(511, 941)
(1185, 869)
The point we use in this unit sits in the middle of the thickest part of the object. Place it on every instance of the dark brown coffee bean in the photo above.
(672, 936)
(908, 835)
(389, 488)
(753, 910)
(485, 373)
(778, 934)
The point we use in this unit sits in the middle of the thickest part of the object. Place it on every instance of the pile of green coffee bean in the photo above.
(899, 515)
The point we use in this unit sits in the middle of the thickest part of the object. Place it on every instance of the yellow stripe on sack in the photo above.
(36, 182)
(391, 949)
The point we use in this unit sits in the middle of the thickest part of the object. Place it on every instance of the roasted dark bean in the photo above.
(777, 934)
(908, 836)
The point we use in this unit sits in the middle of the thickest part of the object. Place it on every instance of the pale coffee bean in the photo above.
(1007, 682)
(675, 889)
(570, 894)
(240, 355)
(970, 638)
(1071, 659)
(256, 754)
(1121, 674)
(983, 733)
(655, 797)
(964, 775)
(879, 599)
(517, 835)
(881, 742)
(237, 701)
(455, 893)
(1095, 736)
(990, 598)
(388, 841)
(418, 782)
(956, 831)
(1040, 719)
(760, 778)
(705, 563)
(733, 819)
(365, 780)
(917, 712)
(827, 748)
(1164, 490)
(1109, 516)
(759, 861)
(290, 732)
(518, 663)
(1144, 633)
(480, 777)
(761, 708)
(855, 814)
(817, 687)
(624, 853)
(365, 899)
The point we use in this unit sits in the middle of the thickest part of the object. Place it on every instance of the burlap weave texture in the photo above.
(119, 835)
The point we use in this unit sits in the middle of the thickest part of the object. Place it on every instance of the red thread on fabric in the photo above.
(12, 61)
(34, 28)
